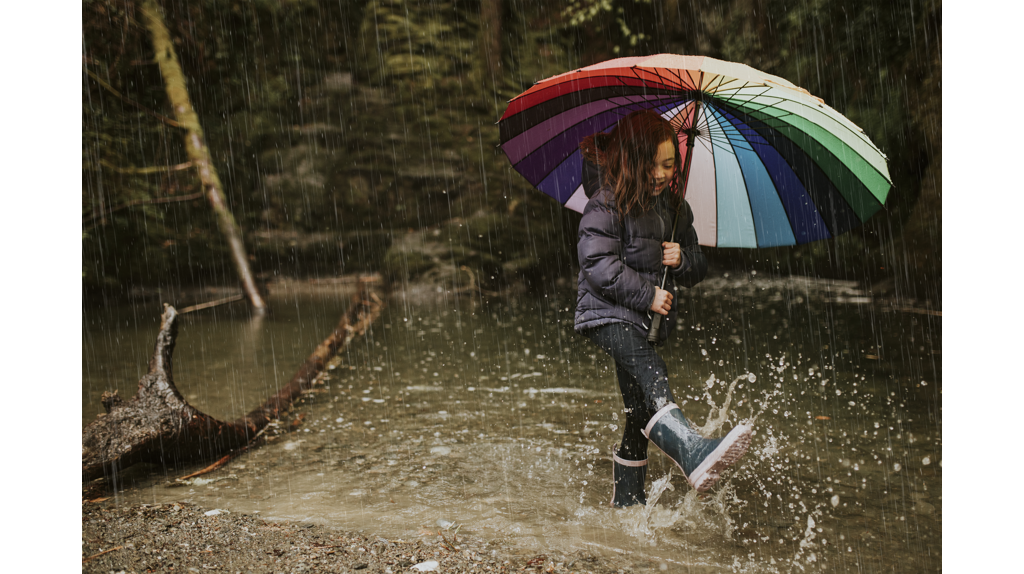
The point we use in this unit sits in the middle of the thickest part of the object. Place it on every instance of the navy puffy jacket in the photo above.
(620, 262)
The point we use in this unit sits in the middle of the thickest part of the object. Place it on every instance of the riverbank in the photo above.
(492, 413)
(183, 537)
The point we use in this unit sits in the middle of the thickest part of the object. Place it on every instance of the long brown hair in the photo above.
(626, 157)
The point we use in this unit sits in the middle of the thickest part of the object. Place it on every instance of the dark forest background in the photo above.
(359, 135)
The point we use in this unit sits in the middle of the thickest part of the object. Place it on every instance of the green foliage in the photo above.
(416, 43)
(601, 14)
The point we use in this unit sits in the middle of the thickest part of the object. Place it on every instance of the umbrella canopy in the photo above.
(771, 164)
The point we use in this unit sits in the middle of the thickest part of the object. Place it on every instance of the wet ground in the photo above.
(493, 417)
(184, 537)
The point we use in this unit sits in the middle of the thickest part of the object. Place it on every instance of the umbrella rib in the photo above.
(744, 139)
(790, 217)
(841, 197)
(639, 100)
(778, 99)
(788, 114)
(665, 80)
(679, 78)
(755, 96)
(806, 191)
(858, 133)
(620, 111)
(720, 79)
(529, 118)
(743, 176)
(542, 87)
(711, 137)
(633, 70)
(723, 144)
(706, 125)
(724, 82)
(679, 110)
(708, 145)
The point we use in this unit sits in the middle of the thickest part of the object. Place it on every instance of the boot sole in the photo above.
(732, 447)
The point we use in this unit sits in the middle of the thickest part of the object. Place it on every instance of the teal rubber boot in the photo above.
(628, 478)
(701, 459)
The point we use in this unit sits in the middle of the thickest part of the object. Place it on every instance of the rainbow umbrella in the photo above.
(766, 163)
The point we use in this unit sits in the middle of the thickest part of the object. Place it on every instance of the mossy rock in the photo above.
(406, 265)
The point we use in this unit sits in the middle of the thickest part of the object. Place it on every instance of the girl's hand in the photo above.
(672, 254)
(662, 301)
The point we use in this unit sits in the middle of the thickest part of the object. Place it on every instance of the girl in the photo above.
(625, 237)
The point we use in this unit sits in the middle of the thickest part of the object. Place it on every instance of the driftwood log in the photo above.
(159, 426)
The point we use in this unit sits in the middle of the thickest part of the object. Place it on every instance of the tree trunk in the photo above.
(489, 61)
(195, 145)
(490, 29)
(159, 426)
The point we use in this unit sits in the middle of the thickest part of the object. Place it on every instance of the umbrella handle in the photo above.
(654, 332)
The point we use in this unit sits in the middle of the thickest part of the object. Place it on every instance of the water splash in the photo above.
(707, 515)
(718, 415)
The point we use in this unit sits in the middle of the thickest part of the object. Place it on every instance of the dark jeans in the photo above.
(643, 381)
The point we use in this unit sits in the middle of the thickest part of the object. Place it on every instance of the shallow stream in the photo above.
(493, 415)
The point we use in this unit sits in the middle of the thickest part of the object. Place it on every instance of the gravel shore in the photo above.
(182, 537)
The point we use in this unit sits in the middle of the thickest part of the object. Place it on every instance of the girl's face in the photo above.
(664, 166)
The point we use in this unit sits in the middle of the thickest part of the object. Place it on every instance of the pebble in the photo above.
(923, 508)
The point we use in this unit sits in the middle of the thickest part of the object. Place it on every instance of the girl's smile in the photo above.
(664, 166)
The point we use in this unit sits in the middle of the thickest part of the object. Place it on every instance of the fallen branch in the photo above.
(87, 222)
(128, 100)
(159, 426)
(907, 309)
(445, 542)
(223, 460)
(210, 304)
(97, 555)
(146, 170)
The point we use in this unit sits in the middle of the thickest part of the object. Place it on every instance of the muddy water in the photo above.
(495, 416)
